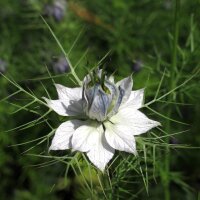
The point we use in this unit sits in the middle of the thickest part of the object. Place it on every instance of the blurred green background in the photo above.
(140, 38)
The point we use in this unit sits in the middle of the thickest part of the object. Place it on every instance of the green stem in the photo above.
(65, 54)
(173, 82)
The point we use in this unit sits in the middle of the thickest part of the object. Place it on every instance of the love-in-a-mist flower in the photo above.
(106, 117)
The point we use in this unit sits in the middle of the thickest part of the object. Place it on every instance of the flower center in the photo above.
(101, 96)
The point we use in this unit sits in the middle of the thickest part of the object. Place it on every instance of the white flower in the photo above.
(107, 118)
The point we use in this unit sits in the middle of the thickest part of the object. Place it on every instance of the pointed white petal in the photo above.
(135, 120)
(63, 134)
(71, 98)
(101, 152)
(135, 100)
(70, 94)
(69, 102)
(90, 138)
(57, 106)
(120, 137)
(85, 137)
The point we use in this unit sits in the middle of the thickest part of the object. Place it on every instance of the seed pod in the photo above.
(102, 97)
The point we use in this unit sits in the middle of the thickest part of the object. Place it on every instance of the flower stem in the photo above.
(65, 54)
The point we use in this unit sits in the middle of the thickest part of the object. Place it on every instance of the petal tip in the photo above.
(142, 90)
(57, 85)
(53, 148)
(101, 168)
(45, 98)
(48, 101)
(157, 123)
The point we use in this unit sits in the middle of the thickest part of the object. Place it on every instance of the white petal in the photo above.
(101, 152)
(90, 138)
(68, 94)
(71, 98)
(120, 137)
(57, 106)
(69, 102)
(85, 137)
(135, 100)
(63, 134)
(125, 86)
(135, 120)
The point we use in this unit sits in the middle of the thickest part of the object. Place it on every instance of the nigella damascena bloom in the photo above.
(107, 117)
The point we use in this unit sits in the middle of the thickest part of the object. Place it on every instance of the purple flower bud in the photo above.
(59, 10)
(61, 65)
(56, 10)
